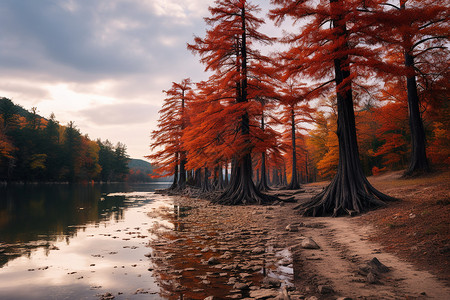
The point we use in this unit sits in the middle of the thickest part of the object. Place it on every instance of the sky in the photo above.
(102, 64)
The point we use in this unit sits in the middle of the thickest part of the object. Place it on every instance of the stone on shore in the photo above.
(309, 243)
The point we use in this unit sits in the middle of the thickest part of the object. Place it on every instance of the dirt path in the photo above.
(256, 252)
(345, 249)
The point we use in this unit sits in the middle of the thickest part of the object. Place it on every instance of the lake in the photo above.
(79, 241)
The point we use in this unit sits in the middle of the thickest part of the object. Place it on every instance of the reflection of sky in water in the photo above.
(108, 256)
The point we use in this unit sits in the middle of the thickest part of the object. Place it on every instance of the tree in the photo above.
(292, 97)
(72, 147)
(318, 51)
(417, 29)
(227, 51)
(167, 138)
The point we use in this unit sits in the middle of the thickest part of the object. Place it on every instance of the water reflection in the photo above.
(77, 242)
(35, 216)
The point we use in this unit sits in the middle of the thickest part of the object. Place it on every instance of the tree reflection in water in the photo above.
(35, 216)
(194, 259)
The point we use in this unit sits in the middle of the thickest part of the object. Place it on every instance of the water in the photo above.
(79, 241)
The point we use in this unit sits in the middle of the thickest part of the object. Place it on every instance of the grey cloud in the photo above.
(98, 39)
(120, 114)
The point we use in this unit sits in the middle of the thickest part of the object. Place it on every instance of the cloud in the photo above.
(120, 114)
(85, 40)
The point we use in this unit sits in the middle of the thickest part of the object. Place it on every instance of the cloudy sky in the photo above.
(100, 63)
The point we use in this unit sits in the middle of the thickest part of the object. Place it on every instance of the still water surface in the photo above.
(78, 241)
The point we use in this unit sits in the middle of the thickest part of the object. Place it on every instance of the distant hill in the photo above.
(140, 170)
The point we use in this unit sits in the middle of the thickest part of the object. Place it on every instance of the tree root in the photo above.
(350, 197)
(241, 193)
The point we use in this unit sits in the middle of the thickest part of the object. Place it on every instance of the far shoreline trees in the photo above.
(35, 149)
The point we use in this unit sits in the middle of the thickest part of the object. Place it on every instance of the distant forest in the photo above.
(33, 148)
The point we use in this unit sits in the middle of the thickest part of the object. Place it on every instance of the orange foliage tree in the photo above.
(167, 138)
(296, 110)
(419, 30)
(228, 51)
(328, 46)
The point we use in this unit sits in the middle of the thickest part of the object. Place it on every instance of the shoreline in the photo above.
(258, 252)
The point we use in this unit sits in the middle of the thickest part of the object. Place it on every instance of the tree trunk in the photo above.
(226, 173)
(349, 192)
(198, 178)
(182, 180)
(262, 182)
(294, 185)
(175, 175)
(419, 162)
(205, 183)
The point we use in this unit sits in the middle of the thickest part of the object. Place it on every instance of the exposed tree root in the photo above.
(242, 190)
(244, 194)
(354, 196)
(263, 186)
(294, 185)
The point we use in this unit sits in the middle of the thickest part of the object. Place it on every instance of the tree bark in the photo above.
(349, 192)
(262, 183)
(175, 175)
(205, 183)
(419, 162)
(294, 184)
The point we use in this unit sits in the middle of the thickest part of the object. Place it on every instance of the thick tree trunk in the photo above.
(182, 179)
(175, 175)
(349, 192)
(262, 184)
(205, 183)
(241, 189)
(419, 162)
(198, 178)
(294, 185)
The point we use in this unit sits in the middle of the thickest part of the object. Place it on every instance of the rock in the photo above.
(325, 289)
(245, 275)
(213, 261)
(240, 286)
(263, 294)
(258, 250)
(107, 296)
(312, 298)
(344, 298)
(272, 282)
(371, 278)
(228, 267)
(292, 228)
(376, 265)
(309, 243)
(210, 298)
